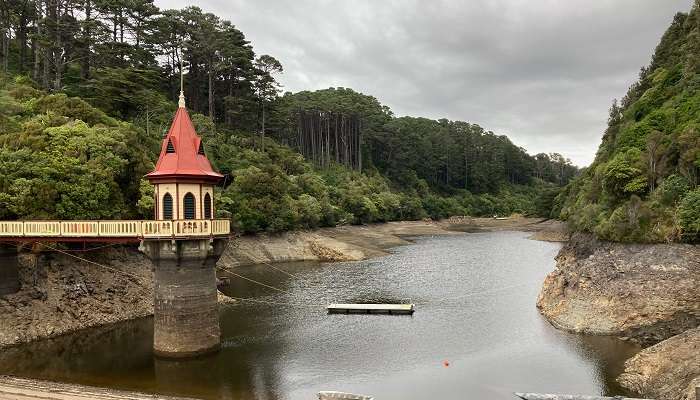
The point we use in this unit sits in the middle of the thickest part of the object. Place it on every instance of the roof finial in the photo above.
(181, 101)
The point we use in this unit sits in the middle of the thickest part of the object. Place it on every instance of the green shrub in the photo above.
(689, 216)
(622, 176)
(672, 189)
(308, 210)
(73, 108)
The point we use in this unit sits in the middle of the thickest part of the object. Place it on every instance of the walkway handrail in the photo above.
(117, 228)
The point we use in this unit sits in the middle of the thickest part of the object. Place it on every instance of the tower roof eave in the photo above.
(184, 178)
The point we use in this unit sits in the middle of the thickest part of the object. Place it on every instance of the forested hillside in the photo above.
(88, 88)
(328, 126)
(643, 185)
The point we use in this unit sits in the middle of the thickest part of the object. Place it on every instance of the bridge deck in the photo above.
(127, 230)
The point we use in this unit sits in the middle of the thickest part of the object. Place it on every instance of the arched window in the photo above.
(189, 206)
(167, 206)
(207, 206)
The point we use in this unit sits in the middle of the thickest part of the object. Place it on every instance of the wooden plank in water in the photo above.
(371, 308)
(12, 388)
(332, 395)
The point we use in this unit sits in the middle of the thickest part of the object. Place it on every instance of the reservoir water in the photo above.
(475, 334)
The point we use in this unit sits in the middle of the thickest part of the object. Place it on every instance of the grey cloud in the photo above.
(543, 72)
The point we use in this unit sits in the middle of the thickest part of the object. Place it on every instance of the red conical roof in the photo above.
(180, 158)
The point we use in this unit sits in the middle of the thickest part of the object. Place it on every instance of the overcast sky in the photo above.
(543, 72)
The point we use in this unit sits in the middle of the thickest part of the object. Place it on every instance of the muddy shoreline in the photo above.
(12, 388)
(355, 243)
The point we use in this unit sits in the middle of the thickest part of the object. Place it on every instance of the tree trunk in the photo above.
(54, 15)
(327, 138)
(46, 70)
(45, 52)
(86, 54)
(121, 27)
(337, 155)
(211, 95)
(359, 147)
(5, 35)
(5, 49)
(37, 60)
(262, 134)
(228, 119)
(148, 132)
(22, 38)
(466, 163)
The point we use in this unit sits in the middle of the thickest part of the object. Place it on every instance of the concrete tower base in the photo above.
(9, 270)
(186, 314)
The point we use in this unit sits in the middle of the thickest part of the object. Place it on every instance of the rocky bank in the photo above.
(61, 294)
(641, 292)
(667, 370)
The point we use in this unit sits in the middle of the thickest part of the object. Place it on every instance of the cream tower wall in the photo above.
(178, 191)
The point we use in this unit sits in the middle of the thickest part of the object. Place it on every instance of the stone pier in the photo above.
(186, 315)
(9, 269)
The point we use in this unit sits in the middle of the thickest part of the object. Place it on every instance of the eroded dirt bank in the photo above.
(61, 294)
(647, 293)
(345, 243)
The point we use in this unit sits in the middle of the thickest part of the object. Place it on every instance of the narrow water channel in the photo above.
(476, 333)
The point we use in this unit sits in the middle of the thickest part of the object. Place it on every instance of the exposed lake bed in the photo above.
(474, 295)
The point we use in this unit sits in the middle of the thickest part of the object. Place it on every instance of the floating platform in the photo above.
(331, 395)
(371, 308)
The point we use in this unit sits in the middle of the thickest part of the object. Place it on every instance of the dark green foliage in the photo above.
(71, 107)
(689, 216)
(125, 57)
(545, 203)
(342, 126)
(623, 176)
(62, 158)
(126, 93)
(642, 185)
(279, 190)
(672, 189)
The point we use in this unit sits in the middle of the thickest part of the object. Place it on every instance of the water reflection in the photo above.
(475, 299)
